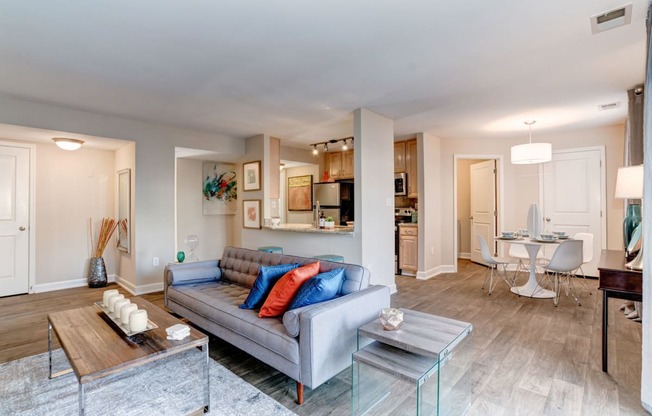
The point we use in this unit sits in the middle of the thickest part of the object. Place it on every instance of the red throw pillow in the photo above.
(279, 299)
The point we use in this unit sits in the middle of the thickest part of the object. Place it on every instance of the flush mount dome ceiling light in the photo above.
(531, 153)
(68, 144)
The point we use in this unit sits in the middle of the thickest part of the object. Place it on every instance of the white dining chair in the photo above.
(494, 264)
(587, 249)
(567, 258)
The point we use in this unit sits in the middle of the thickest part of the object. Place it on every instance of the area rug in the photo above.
(171, 386)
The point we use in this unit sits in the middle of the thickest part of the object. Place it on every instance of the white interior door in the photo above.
(14, 220)
(483, 207)
(573, 198)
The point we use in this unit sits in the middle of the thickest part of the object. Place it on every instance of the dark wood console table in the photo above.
(616, 282)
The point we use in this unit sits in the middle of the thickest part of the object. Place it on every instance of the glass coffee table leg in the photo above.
(50, 349)
(81, 399)
(207, 398)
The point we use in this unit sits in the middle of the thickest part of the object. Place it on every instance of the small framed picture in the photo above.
(251, 176)
(251, 213)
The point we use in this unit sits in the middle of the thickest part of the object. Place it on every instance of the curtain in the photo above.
(634, 127)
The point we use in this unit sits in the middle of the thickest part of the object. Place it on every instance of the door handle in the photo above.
(22, 228)
(471, 218)
(548, 219)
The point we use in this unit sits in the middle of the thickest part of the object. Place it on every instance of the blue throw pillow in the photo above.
(267, 278)
(325, 286)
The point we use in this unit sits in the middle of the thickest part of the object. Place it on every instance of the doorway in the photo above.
(488, 170)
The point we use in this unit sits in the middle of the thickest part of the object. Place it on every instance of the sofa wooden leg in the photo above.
(299, 393)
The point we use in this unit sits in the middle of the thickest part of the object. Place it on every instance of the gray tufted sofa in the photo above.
(310, 344)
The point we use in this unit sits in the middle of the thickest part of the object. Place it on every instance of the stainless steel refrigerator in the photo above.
(335, 200)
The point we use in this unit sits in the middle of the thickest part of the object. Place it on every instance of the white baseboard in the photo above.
(126, 285)
(65, 284)
(464, 256)
(141, 289)
(435, 271)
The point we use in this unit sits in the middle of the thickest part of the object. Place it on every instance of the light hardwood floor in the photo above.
(530, 357)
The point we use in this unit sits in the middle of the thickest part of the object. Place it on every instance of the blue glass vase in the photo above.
(631, 221)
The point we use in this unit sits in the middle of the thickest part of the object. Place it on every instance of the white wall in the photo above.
(298, 217)
(125, 158)
(154, 180)
(521, 182)
(374, 202)
(430, 206)
(70, 189)
(214, 231)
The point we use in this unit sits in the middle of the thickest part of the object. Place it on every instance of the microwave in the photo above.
(400, 184)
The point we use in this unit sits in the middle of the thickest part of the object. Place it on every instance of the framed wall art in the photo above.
(219, 189)
(251, 213)
(251, 176)
(300, 193)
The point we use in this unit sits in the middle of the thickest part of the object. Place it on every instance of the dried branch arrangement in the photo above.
(106, 231)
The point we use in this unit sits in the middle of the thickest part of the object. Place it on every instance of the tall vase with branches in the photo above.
(97, 269)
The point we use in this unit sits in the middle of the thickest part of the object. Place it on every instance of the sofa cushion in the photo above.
(267, 278)
(323, 287)
(219, 303)
(190, 275)
(285, 289)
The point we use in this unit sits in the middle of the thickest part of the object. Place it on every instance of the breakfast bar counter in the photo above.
(309, 228)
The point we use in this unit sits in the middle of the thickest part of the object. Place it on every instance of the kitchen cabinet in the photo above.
(411, 163)
(340, 164)
(399, 157)
(408, 247)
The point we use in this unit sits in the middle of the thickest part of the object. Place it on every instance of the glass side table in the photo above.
(423, 368)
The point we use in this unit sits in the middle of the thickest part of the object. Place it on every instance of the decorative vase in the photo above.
(97, 273)
(534, 221)
(181, 256)
(631, 221)
(391, 318)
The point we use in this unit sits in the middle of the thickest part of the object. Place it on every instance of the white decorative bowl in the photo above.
(391, 318)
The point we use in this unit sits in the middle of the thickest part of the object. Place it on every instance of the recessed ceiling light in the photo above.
(611, 19)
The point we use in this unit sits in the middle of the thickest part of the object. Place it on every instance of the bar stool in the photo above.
(330, 257)
(271, 249)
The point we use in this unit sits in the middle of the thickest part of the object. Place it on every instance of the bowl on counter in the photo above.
(349, 223)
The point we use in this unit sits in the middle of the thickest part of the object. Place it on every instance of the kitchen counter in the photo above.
(309, 228)
(408, 224)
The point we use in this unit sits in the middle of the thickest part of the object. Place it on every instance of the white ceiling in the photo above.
(296, 69)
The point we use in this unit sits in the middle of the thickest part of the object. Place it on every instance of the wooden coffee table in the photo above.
(96, 348)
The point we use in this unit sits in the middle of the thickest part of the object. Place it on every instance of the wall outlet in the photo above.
(155, 261)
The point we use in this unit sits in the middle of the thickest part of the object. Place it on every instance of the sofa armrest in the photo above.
(189, 273)
(328, 332)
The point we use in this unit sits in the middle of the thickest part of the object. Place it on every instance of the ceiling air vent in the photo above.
(609, 106)
(610, 19)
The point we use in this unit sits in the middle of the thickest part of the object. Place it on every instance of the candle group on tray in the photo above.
(124, 311)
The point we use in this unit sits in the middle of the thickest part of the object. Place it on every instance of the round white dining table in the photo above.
(531, 288)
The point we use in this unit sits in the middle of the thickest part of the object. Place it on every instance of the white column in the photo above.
(374, 194)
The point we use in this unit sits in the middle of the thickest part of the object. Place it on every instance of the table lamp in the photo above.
(629, 185)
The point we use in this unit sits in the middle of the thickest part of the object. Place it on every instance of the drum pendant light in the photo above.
(530, 153)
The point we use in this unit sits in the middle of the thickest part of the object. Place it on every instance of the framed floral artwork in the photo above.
(251, 213)
(251, 176)
(219, 189)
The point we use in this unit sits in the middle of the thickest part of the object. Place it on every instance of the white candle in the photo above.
(138, 320)
(113, 299)
(125, 311)
(107, 294)
(118, 305)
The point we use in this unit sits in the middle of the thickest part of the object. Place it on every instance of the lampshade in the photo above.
(68, 144)
(629, 182)
(530, 153)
